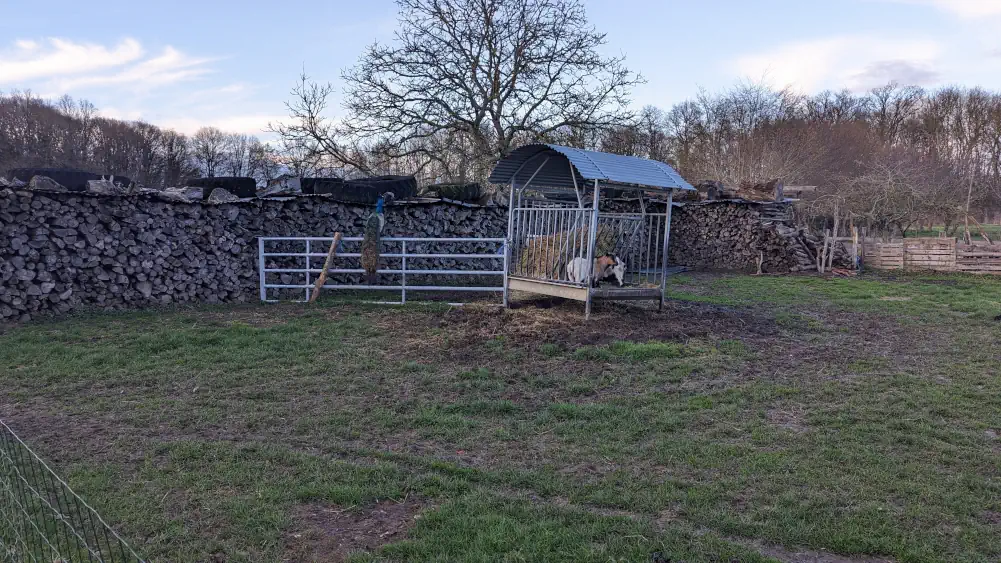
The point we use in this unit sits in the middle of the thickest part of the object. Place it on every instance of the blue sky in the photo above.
(185, 63)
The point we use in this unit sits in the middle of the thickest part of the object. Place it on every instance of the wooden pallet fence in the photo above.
(979, 258)
(935, 254)
(883, 255)
(938, 254)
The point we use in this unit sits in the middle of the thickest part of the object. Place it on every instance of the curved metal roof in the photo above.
(560, 164)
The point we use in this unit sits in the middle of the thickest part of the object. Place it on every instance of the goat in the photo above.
(617, 269)
(604, 266)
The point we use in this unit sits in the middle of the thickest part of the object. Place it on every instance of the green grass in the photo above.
(801, 412)
(993, 231)
(941, 297)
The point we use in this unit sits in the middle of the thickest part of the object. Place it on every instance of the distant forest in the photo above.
(35, 132)
(896, 156)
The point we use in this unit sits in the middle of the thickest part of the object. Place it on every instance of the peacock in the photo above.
(371, 243)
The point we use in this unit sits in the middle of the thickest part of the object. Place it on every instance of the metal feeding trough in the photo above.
(552, 240)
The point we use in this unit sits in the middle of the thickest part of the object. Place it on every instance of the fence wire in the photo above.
(42, 519)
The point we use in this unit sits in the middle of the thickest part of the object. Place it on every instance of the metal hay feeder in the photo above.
(550, 223)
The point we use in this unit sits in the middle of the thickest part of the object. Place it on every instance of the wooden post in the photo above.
(320, 281)
(822, 253)
(592, 236)
(969, 197)
(855, 261)
(834, 236)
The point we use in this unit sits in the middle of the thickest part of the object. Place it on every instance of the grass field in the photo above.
(993, 231)
(757, 418)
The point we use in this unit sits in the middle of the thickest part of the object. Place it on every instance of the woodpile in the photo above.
(712, 190)
(64, 251)
(735, 236)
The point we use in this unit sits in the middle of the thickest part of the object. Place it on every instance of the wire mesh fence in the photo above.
(42, 519)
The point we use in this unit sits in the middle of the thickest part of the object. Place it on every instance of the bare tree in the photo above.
(177, 162)
(494, 72)
(263, 161)
(299, 158)
(235, 159)
(80, 129)
(892, 106)
(208, 147)
(310, 136)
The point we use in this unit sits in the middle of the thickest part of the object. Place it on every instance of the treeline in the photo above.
(891, 158)
(69, 133)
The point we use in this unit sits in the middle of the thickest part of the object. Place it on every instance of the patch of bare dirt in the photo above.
(61, 437)
(254, 315)
(788, 418)
(547, 321)
(331, 533)
(809, 556)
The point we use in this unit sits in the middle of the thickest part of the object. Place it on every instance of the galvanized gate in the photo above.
(296, 262)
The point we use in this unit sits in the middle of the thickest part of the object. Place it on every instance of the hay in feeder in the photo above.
(546, 256)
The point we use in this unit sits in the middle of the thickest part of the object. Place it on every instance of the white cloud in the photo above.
(856, 62)
(961, 8)
(252, 124)
(169, 67)
(60, 66)
(29, 60)
(123, 114)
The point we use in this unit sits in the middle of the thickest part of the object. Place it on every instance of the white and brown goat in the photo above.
(604, 267)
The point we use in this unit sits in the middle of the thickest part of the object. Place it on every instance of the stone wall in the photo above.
(64, 251)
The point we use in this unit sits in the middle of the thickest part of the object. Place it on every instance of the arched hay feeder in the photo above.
(555, 221)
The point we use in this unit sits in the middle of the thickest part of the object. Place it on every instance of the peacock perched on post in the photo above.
(371, 243)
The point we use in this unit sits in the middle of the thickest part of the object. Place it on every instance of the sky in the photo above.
(184, 64)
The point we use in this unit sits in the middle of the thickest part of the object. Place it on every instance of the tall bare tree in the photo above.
(208, 147)
(177, 162)
(235, 147)
(495, 72)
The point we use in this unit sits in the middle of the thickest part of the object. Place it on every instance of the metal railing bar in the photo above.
(631, 215)
(384, 239)
(394, 272)
(308, 252)
(396, 287)
(392, 255)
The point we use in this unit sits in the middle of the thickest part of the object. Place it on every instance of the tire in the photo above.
(240, 186)
(458, 192)
(403, 187)
(365, 190)
(308, 185)
(72, 180)
(321, 185)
